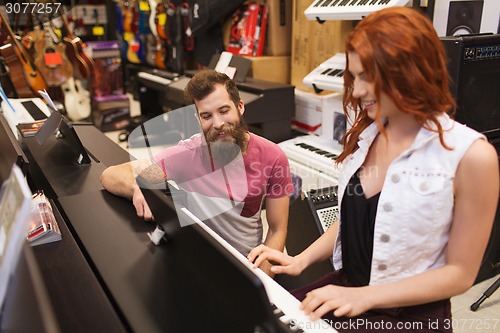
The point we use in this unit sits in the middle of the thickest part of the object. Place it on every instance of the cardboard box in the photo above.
(278, 39)
(313, 43)
(248, 30)
(275, 69)
(279, 27)
(319, 114)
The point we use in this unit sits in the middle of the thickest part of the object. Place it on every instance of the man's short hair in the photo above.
(203, 83)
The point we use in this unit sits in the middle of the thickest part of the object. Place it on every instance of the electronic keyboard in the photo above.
(329, 75)
(347, 9)
(313, 159)
(286, 306)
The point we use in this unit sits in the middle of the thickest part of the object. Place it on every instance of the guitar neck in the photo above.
(15, 43)
(67, 31)
(6, 28)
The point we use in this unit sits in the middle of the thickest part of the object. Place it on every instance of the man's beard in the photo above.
(225, 151)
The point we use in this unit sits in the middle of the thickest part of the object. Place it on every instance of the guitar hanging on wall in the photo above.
(130, 28)
(83, 65)
(51, 59)
(76, 89)
(25, 76)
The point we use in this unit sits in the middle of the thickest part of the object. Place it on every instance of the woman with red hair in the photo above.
(417, 192)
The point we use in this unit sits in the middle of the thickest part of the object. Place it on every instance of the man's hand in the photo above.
(141, 206)
(266, 266)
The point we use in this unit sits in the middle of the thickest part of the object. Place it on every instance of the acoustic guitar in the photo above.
(24, 74)
(76, 99)
(51, 59)
(83, 65)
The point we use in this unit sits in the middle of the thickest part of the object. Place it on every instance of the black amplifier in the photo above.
(474, 68)
(310, 216)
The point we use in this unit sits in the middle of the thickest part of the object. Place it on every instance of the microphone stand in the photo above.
(486, 294)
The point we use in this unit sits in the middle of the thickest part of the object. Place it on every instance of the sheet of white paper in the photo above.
(47, 99)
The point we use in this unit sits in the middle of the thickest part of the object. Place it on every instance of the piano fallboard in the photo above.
(347, 9)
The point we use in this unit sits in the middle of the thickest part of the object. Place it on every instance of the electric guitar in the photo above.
(24, 74)
(161, 19)
(130, 30)
(143, 30)
(175, 44)
(188, 37)
(152, 36)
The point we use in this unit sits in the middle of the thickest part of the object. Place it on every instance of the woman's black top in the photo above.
(357, 228)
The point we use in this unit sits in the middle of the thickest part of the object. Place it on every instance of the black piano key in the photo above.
(335, 3)
(326, 71)
(317, 150)
(335, 72)
(325, 3)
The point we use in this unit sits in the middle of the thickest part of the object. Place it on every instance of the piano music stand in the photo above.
(241, 64)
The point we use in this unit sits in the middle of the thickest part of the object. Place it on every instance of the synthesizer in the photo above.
(329, 75)
(347, 9)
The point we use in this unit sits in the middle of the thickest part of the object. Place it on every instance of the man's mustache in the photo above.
(213, 133)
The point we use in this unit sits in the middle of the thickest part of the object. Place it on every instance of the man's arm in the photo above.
(120, 180)
(277, 219)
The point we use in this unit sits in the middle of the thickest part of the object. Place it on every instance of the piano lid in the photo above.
(347, 9)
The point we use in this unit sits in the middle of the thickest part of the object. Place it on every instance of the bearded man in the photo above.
(226, 163)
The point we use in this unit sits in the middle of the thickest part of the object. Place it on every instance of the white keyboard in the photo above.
(154, 78)
(278, 296)
(314, 152)
(347, 9)
(329, 75)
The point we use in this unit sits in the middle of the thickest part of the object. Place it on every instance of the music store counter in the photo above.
(105, 275)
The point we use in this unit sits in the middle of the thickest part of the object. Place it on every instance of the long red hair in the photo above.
(405, 59)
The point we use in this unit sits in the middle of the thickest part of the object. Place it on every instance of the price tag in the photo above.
(144, 6)
(127, 36)
(98, 30)
(162, 19)
(52, 59)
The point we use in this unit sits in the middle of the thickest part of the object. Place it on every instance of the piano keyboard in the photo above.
(347, 9)
(286, 307)
(328, 75)
(154, 78)
(313, 159)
